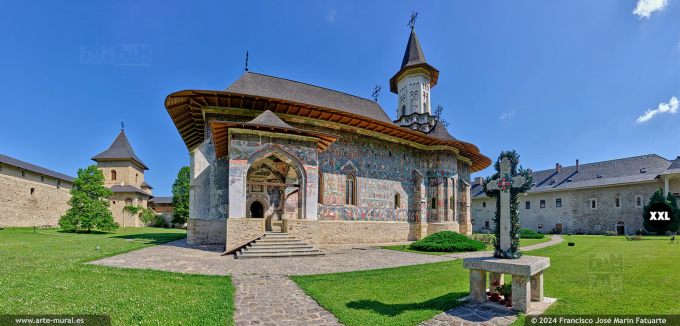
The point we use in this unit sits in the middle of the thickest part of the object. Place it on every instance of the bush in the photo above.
(447, 241)
(530, 234)
(484, 237)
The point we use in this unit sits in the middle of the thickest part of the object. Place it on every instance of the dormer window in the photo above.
(599, 175)
(552, 181)
(643, 170)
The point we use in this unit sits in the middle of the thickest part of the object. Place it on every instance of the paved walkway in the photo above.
(266, 296)
(276, 300)
(555, 239)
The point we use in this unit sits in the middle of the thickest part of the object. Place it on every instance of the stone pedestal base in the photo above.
(527, 278)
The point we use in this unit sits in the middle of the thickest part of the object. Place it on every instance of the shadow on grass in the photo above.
(441, 303)
(85, 232)
(152, 238)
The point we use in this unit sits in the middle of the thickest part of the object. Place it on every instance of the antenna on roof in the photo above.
(376, 92)
(438, 113)
(412, 21)
(246, 68)
(122, 126)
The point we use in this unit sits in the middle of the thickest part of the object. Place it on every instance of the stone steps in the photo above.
(273, 245)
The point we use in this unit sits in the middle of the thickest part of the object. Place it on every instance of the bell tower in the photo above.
(412, 83)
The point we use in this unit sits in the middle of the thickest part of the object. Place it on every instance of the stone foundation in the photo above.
(240, 231)
(444, 226)
(355, 232)
(304, 230)
(206, 231)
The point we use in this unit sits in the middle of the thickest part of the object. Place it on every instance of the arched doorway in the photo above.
(275, 180)
(620, 228)
(256, 210)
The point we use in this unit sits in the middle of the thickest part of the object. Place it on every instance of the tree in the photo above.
(89, 203)
(180, 196)
(658, 203)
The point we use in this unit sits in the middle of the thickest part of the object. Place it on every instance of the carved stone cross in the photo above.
(504, 184)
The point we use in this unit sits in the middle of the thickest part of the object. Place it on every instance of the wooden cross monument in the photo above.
(504, 183)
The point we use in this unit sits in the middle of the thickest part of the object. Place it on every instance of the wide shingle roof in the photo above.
(128, 188)
(261, 85)
(4, 159)
(606, 173)
(162, 200)
(674, 167)
(120, 149)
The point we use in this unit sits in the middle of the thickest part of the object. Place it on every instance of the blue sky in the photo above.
(555, 80)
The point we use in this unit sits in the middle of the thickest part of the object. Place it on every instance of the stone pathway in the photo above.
(473, 314)
(276, 300)
(266, 296)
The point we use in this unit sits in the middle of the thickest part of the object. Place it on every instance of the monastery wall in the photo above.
(31, 199)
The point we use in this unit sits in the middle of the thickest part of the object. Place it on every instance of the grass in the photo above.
(45, 273)
(405, 248)
(395, 296)
(599, 275)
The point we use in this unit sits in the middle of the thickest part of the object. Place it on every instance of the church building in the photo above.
(270, 154)
(124, 175)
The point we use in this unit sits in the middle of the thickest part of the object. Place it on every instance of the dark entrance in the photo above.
(620, 228)
(256, 210)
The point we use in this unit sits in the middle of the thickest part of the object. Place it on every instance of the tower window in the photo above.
(617, 202)
(23, 173)
(136, 177)
(397, 201)
(32, 191)
(483, 204)
(350, 190)
(113, 175)
(433, 203)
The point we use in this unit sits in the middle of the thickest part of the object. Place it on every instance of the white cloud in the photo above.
(670, 107)
(331, 16)
(645, 8)
(506, 115)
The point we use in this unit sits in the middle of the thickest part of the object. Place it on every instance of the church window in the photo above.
(113, 175)
(527, 205)
(433, 203)
(350, 190)
(397, 201)
(542, 203)
(558, 202)
(617, 201)
(638, 201)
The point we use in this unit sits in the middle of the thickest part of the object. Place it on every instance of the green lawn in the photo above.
(45, 273)
(644, 282)
(395, 296)
(405, 248)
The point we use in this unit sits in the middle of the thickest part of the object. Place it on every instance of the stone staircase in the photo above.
(274, 244)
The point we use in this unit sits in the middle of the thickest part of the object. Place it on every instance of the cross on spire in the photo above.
(412, 21)
(122, 126)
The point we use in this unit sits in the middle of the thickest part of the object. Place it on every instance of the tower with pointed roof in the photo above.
(412, 83)
(124, 174)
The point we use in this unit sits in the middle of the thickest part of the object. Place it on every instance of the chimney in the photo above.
(479, 180)
(558, 167)
(576, 165)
